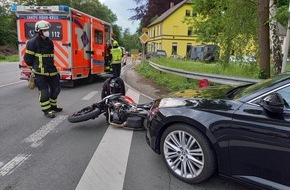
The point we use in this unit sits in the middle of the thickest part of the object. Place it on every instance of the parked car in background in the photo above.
(204, 53)
(149, 55)
(243, 59)
(160, 53)
(244, 134)
(175, 56)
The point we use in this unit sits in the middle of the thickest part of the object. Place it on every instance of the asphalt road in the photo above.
(41, 153)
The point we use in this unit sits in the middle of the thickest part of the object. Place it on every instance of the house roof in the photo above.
(169, 12)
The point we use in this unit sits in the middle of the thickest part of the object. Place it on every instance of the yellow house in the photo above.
(169, 33)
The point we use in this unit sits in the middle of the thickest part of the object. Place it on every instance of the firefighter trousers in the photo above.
(49, 89)
(116, 69)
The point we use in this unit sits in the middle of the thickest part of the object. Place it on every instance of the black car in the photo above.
(243, 134)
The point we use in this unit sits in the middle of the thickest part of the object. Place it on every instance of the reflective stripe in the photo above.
(40, 64)
(45, 105)
(29, 52)
(52, 102)
(45, 108)
(44, 55)
(45, 74)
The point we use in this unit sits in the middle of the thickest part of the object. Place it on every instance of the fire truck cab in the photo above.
(79, 40)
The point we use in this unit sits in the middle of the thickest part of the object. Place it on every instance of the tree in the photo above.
(230, 24)
(148, 9)
(264, 41)
(131, 41)
(274, 38)
(8, 33)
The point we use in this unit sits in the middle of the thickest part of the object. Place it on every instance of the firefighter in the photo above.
(108, 56)
(39, 56)
(117, 54)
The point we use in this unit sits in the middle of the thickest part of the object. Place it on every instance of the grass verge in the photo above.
(176, 83)
(9, 58)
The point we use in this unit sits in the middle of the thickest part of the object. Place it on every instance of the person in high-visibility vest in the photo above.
(39, 56)
(117, 54)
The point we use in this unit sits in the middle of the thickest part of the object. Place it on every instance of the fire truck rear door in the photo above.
(98, 46)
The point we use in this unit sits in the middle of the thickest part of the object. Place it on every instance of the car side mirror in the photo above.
(273, 103)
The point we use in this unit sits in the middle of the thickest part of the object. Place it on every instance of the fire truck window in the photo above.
(98, 37)
(55, 32)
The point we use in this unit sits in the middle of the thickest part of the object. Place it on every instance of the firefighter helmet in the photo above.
(114, 86)
(42, 25)
(115, 43)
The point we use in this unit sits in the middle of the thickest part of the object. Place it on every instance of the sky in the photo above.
(120, 8)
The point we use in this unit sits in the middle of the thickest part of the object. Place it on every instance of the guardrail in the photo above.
(220, 79)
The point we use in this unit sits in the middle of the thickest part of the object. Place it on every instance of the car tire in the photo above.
(174, 153)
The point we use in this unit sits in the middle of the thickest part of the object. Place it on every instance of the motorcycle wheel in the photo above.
(84, 114)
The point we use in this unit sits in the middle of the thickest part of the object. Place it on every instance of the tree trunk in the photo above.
(264, 40)
(274, 37)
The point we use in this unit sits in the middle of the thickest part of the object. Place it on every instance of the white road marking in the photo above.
(9, 84)
(36, 138)
(13, 164)
(133, 94)
(107, 168)
(90, 95)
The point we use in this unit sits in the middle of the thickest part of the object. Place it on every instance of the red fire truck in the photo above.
(79, 40)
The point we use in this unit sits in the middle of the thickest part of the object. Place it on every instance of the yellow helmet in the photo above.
(115, 43)
(42, 25)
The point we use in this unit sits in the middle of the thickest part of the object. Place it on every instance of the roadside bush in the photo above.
(169, 81)
(247, 70)
(2, 57)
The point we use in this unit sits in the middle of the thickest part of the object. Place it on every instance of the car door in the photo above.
(259, 145)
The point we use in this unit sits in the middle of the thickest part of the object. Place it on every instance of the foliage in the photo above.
(169, 81)
(148, 9)
(231, 24)
(174, 83)
(10, 58)
(8, 34)
(248, 70)
(282, 15)
(131, 41)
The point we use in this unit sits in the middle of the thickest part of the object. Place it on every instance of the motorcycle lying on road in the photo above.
(120, 111)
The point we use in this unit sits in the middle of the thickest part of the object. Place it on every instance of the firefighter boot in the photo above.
(49, 114)
(56, 109)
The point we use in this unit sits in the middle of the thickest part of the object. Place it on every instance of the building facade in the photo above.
(168, 32)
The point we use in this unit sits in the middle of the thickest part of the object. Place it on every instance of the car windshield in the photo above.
(245, 90)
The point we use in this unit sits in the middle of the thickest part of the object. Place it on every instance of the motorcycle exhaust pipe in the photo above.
(115, 124)
(118, 125)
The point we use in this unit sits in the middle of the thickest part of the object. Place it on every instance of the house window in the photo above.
(194, 14)
(190, 31)
(187, 13)
(174, 48)
(188, 48)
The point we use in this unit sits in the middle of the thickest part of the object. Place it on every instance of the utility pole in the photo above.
(286, 47)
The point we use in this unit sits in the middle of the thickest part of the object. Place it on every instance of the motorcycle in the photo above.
(120, 111)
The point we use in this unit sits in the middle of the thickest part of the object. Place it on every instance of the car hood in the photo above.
(212, 92)
(197, 103)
